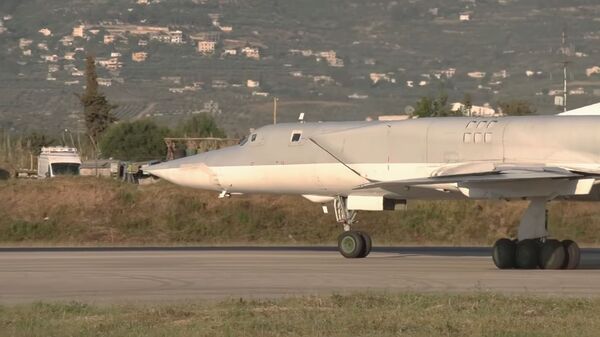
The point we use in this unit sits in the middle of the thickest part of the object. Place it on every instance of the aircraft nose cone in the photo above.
(190, 172)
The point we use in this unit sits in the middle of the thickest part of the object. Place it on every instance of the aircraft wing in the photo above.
(504, 181)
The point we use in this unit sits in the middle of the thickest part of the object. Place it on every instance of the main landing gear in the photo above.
(533, 249)
(351, 244)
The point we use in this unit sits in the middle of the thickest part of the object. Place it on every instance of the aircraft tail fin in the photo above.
(589, 110)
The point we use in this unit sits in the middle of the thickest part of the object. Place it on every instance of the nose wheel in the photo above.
(354, 244)
(351, 244)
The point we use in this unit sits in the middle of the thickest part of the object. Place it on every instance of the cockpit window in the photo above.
(253, 137)
(296, 135)
(243, 140)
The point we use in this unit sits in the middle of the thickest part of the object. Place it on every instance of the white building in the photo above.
(206, 47)
(476, 74)
(252, 84)
(45, 31)
(251, 52)
(475, 110)
(78, 31)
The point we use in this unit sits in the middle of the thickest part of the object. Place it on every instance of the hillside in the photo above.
(90, 211)
(338, 59)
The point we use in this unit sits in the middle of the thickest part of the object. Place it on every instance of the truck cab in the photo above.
(58, 161)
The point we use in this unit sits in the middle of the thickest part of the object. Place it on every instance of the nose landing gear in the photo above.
(351, 244)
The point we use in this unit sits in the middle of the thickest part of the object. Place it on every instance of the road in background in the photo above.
(116, 275)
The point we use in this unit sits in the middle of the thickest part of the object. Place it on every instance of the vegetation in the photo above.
(202, 125)
(516, 108)
(136, 141)
(360, 314)
(433, 107)
(96, 108)
(93, 211)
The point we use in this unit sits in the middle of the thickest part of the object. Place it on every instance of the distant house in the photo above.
(476, 74)
(69, 56)
(67, 41)
(105, 82)
(251, 52)
(475, 110)
(142, 43)
(252, 84)
(24, 43)
(206, 47)
(226, 29)
(140, 56)
(78, 31)
(50, 58)
(176, 37)
(464, 17)
(108, 39)
(230, 52)
(45, 31)
(593, 70)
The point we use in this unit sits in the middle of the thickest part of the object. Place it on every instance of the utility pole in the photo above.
(275, 99)
(565, 63)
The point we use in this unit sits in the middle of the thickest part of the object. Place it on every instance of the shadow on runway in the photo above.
(590, 257)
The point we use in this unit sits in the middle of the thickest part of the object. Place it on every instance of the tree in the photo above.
(516, 108)
(433, 107)
(35, 141)
(96, 108)
(202, 125)
(136, 141)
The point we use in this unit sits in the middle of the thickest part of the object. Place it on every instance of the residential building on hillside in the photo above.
(229, 52)
(140, 56)
(206, 47)
(24, 43)
(78, 31)
(45, 31)
(251, 52)
(67, 41)
(252, 84)
(105, 82)
(109, 38)
(176, 37)
(477, 74)
(475, 111)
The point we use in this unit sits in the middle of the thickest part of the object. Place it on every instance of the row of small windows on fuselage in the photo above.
(477, 137)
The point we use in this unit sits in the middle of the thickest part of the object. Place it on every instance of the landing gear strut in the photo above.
(351, 244)
(533, 249)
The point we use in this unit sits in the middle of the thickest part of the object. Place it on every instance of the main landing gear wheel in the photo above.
(503, 253)
(526, 256)
(533, 253)
(551, 255)
(572, 254)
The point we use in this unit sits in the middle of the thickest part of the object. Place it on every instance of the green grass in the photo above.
(90, 211)
(362, 314)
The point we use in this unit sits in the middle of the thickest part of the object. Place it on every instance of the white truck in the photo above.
(58, 161)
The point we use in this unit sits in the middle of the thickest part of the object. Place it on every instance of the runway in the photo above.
(108, 275)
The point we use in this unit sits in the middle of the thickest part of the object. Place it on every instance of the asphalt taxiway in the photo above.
(112, 275)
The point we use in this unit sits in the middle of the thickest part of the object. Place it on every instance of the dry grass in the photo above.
(363, 314)
(90, 211)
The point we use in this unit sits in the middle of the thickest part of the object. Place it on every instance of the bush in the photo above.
(136, 141)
